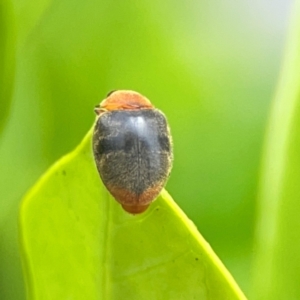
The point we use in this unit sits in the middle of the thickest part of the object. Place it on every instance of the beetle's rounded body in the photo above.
(132, 148)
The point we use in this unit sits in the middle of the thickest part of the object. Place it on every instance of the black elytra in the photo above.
(133, 150)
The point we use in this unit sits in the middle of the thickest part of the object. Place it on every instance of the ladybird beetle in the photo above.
(132, 148)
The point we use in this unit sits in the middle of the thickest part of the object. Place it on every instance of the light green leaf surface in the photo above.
(78, 243)
(277, 265)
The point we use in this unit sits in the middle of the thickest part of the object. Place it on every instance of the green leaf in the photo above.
(277, 266)
(78, 243)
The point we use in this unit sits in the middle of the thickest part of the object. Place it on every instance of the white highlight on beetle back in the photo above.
(139, 122)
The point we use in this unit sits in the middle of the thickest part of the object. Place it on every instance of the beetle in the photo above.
(133, 149)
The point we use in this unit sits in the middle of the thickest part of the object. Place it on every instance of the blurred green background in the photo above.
(211, 66)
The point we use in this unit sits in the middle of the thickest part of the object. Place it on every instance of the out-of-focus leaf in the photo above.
(277, 267)
(78, 243)
(7, 58)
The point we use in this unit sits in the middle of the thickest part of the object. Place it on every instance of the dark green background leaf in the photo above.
(7, 59)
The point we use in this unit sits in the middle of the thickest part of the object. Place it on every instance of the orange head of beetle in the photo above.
(123, 100)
